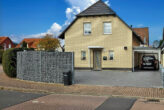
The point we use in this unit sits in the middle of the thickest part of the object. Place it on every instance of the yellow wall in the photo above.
(121, 36)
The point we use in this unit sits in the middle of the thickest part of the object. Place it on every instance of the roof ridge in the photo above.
(98, 8)
(88, 7)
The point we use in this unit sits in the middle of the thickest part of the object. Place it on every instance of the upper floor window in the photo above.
(87, 28)
(107, 28)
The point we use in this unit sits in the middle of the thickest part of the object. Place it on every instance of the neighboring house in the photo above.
(144, 34)
(31, 43)
(100, 39)
(6, 42)
(162, 49)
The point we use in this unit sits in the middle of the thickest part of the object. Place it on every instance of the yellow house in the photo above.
(100, 39)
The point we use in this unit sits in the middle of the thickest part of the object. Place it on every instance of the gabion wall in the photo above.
(43, 66)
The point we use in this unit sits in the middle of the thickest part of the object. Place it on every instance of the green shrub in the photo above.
(9, 61)
(1, 54)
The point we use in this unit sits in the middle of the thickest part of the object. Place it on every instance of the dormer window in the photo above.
(87, 29)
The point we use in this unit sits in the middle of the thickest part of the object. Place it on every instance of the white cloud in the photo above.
(107, 2)
(82, 4)
(70, 14)
(140, 25)
(55, 29)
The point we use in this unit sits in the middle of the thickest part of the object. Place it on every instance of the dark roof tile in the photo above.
(99, 8)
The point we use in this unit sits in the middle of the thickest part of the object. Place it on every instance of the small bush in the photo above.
(9, 61)
(1, 54)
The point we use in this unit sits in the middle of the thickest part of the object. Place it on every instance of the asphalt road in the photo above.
(117, 104)
(10, 98)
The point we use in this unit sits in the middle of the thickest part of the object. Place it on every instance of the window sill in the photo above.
(107, 34)
(87, 35)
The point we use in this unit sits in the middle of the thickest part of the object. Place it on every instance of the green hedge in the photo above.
(9, 60)
(1, 54)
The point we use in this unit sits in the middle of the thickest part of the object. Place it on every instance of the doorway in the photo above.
(97, 60)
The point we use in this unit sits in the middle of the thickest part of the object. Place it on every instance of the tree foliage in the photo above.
(1, 54)
(49, 43)
(24, 44)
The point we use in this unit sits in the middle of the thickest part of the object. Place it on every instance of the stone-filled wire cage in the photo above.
(42, 66)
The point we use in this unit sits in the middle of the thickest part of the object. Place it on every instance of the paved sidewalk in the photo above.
(142, 104)
(80, 89)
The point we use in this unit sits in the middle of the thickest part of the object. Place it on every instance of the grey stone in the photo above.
(44, 66)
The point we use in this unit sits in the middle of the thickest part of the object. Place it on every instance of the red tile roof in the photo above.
(2, 39)
(143, 32)
(32, 42)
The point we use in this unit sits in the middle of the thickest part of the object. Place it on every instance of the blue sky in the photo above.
(34, 18)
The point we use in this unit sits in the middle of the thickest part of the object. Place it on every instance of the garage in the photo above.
(140, 52)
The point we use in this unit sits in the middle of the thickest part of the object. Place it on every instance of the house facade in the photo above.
(31, 42)
(100, 39)
(6, 43)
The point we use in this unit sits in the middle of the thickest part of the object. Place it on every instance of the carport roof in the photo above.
(145, 48)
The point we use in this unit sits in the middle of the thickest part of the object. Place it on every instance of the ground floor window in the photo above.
(83, 55)
(111, 55)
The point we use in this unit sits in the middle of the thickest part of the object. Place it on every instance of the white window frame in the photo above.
(83, 55)
(84, 28)
(111, 53)
(104, 28)
(9, 45)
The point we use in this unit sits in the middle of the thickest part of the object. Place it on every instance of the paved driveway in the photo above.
(146, 79)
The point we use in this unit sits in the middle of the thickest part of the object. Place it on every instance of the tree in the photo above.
(49, 43)
(24, 44)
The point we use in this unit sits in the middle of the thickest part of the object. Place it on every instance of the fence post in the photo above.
(73, 72)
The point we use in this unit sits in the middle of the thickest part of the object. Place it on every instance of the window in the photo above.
(9, 45)
(111, 55)
(4, 46)
(87, 28)
(83, 55)
(144, 40)
(107, 28)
